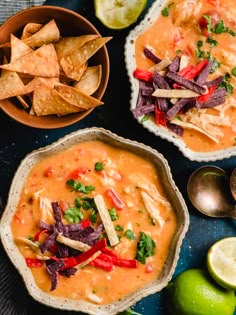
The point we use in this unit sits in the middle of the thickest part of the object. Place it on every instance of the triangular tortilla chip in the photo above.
(76, 97)
(41, 62)
(37, 82)
(48, 101)
(49, 33)
(18, 48)
(66, 45)
(30, 29)
(10, 85)
(90, 80)
(72, 62)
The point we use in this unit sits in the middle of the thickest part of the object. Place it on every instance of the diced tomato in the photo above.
(63, 205)
(34, 262)
(49, 172)
(117, 202)
(85, 223)
(75, 174)
(214, 16)
(18, 219)
(149, 268)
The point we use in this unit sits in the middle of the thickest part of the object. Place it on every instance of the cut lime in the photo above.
(118, 14)
(221, 262)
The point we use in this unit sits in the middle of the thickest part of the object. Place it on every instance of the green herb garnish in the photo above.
(144, 118)
(119, 228)
(74, 215)
(233, 71)
(75, 185)
(166, 11)
(99, 166)
(145, 247)
(212, 42)
(113, 214)
(130, 234)
(226, 84)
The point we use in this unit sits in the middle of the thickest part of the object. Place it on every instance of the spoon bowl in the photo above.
(208, 190)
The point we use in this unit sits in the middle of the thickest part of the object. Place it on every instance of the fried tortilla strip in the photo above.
(30, 29)
(76, 97)
(48, 101)
(18, 48)
(72, 62)
(90, 80)
(23, 102)
(67, 45)
(106, 220)
(41, 62)
(11, 85)
(49, 33)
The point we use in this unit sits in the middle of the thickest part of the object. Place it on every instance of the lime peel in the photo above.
(118, 14)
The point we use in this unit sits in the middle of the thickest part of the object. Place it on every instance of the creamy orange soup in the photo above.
(179, 33)
(129, 176)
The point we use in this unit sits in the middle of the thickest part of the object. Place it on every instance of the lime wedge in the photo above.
(221, 262)
(118, 14)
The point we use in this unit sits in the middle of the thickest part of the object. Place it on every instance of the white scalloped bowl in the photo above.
(164, 133)
(169, 187)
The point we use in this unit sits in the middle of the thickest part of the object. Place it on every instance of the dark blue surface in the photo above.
(17, 140)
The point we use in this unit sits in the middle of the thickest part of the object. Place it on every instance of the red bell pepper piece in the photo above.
(103, 264)
(108, 252)
(85, 223)
(75, 174)
(76, 260)
(118, 203)
(143, 75)
(38, 234)
(160, 117)
(34, 262)
(185, 70)
(205, 97)
(127, 263)
(196, 69)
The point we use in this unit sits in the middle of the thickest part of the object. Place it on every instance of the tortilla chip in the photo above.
(18, 48)
(72, 62)
(90, 80)
(30, 29)
(49, 33)
(48, 101)
(76, 97)
(41, 62)
(10, 85)
(38, 82)
(66, 45)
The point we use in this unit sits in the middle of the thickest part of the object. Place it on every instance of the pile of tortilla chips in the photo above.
(49, 74)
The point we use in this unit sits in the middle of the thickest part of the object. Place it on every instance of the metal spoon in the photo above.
(208, 189)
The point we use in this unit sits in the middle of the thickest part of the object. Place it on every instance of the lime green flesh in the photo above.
(221, 262)
(194, 292)
(118, 14)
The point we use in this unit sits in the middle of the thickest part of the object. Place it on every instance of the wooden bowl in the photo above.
(70, 24)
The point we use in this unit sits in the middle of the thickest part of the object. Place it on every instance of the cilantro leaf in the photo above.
(166, 11)
(99, 166)
(113, 214)
(130, 234)
(145, 247)
(75, 185)
(226, 84)
(119, 228)
(74, 215)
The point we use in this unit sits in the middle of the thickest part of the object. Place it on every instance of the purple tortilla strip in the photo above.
(174, 66)
(191, 85)
(143, 110)
(49, 242)
(176, 108)
(211, 103)
(214, 82)
(175, 128)
(151, 56)
(204, 73)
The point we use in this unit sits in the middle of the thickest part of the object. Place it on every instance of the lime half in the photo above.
(118, 14)
(221, 262)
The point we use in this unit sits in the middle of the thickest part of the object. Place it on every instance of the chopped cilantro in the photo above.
(99, 166)
(30, 237)
(113, 214)
(144, 118)
(215, 66)
(153, 221)
(130, 234)
(226, 84)
(75, 185)
(74, 215)
(221, 28)
(179, 51)
(212, 42)
(94, 216)
(166, 11)
(209, 25)
(145, 247)
(119, 228)
(233, 71)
